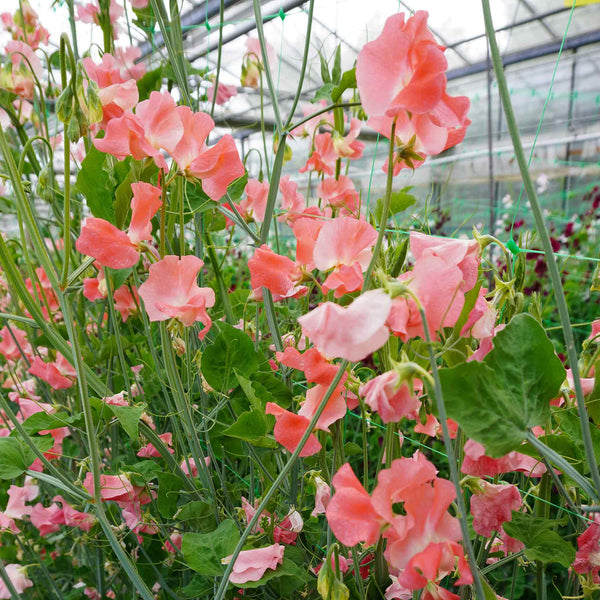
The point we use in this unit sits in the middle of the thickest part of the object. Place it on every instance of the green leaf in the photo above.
(203, 551)
(232, 349)
(324, 93)
(150, 82)
(324, 69)
(570, 426)
(15, 457)
(94, 182)
(336, 72)
(347, 82)
(118, 276)
(129, 417)
(400, 202)
(169, 486)
(496, 401)
(236, 188)
(198, 516)
(251, 426)
(43, 421)
(541, 542)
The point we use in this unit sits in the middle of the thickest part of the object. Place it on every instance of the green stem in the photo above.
(454, 475)
(311, 7)
(273, 189)
(280, 478)
(536, 208)
(214, 261)
(265, 61)
(563, 465)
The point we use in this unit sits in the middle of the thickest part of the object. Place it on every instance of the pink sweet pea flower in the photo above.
(16, 574)
(255, 203)
(277, 273)
(224, 93)
(171, 292)
(322, 496)
(353, 332)
(492, 506)
(389, 397)
(292, 202)
(149, 451)
(403, 69)
(118, 98)
(126, 302)
(350, 512)
(47, 520)
(112, 487)
(587, 558)
(476, 462)
(112, 247)
(17, 496)
(314, 365)
(289, 429)
(339, 193)
(306, 230)
(323, 158)
(14, 341)
(251, 565)
(75, 518)
(58, 374)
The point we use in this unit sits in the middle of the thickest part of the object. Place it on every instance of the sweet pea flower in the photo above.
(312, 363)
(277, 273)
(339, 193)
(58, 374)
(224, 93)
(322, 496)
(171, 292)
(289, 429)
(403, 69)
(17, 496)
(17, 575)
(216, 166)
(251, 565)
(112, 247)
(292, 201)
(478, 464)
(587, 558)
(492, 505)
(149, 451)
(389, 397)
(324, 155)
(253, 206)
(353, 332)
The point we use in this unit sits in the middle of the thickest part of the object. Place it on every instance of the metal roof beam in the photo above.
(286, 6)
(514, 58)
(199, 14)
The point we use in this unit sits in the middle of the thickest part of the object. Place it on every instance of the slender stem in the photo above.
(460, 501)
(385, 212)
(311, 7)
(559, 294)
(219, 56)
(265, 61)
(280, 478)
(214, 261)
(563, 465)
(273, 189)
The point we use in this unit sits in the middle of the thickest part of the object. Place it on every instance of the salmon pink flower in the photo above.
(492, 505)
(216, 166)
(292, 202)
(251, 565)
(116, 488)
(353, 332)
(587, 558)
(350, 512)
(476, 462)
(17, 575)
(277, 273)
(323, 158)
(306, 230)
(289, 429)
(13, 342)
(58, 374)
(47, 519)
(253, 206)
(171, 292)
(403, 69)
(224, 93)
(17, 496)
(391, 398)
(322, 496)
(112, 247)
(339, 193)
(314, 365)
(126, 302)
